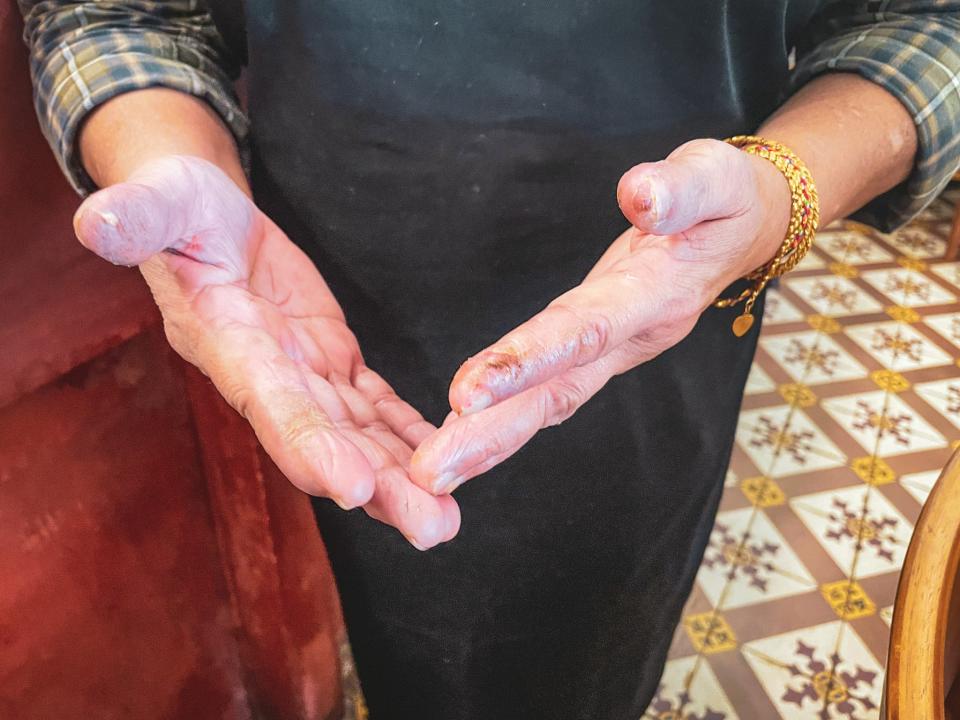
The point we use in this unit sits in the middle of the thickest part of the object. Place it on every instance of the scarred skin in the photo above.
(246, 306)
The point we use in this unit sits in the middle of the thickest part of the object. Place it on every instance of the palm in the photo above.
(246, 306)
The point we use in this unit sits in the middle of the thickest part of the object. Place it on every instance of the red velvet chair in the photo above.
(153, 562)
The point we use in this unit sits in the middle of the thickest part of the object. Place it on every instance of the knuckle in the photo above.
(561, 400)
(592, 336)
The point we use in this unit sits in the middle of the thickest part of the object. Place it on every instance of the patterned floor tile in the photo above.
(898, 346)
(833, 670)
(825, 671)
(907, 287)
(949, 271)
(883, 424)
(778, 310)
(858, 527)
(947, 325)
(915, 241)
(853, 248)
(812, 358)
(749, 561)
(886, 614)
(811, 261)
(833, 296)
(920, 484)
(689, 690)
(782, 440)
(944, 396)
(758, 381)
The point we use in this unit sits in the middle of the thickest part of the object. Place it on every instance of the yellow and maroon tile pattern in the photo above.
(852, 408)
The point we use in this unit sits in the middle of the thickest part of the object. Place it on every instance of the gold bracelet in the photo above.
(804, 220)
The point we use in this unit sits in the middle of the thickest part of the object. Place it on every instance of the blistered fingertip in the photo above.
(643, 199)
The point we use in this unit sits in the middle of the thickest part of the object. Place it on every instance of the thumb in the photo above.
(701, 180)
(128, 223)
(156, 209)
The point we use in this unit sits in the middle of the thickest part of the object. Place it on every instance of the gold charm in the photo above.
(742, 324)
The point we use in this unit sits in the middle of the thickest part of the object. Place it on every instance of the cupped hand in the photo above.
(702, 218)
(241, 302)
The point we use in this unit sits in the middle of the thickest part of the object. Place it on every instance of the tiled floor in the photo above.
(852, 408)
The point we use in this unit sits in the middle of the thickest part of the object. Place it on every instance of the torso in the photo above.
(450, 165)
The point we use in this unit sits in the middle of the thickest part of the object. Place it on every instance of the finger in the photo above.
(129, 223)
(425, 520)
(576, 329)
(367, 417)
(383, 436)
(158, 209)
(356, 411)
(701, 180)
(399, 415)
(263, 384)
(469, 445)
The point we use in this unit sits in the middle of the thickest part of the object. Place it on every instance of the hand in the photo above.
(241, 302)
(702, 218)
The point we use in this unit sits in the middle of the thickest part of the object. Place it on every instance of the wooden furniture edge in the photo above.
(922, 607)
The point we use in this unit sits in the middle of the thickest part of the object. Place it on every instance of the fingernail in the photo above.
(446, 482)
(477, 400)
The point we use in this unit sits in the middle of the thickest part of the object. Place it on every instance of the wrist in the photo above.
(775, 207)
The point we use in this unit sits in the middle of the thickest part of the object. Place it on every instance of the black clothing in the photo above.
(451, 168)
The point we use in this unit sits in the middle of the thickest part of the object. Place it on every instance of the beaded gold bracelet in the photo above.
(804, 220)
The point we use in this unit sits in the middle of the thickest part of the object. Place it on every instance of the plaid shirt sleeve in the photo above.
(912, 49)
(84, 53)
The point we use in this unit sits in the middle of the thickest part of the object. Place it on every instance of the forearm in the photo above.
(137, 127)
(135, 79)
(857, 139)
(911, 50)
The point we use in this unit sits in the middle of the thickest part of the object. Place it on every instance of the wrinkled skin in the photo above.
(241, 302)
(701, 219)
(246, 306)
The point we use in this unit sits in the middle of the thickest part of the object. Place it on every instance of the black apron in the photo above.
(451, 166)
